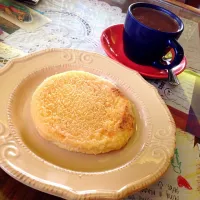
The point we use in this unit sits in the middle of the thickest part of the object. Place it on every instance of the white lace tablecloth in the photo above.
(75, 24)
(78, 24)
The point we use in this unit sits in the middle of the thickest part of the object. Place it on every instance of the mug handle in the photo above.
(179, 54)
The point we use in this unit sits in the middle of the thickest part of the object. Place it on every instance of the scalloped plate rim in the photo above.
(113, 194)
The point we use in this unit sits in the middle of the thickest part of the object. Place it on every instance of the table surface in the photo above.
(11, 189)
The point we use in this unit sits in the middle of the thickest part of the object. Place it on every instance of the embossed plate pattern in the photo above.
(33, 161)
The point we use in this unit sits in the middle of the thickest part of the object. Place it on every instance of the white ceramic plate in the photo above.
(41, 165)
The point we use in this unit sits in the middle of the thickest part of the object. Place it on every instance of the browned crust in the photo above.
(103, 124)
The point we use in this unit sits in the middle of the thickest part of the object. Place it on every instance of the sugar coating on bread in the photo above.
(82, 112)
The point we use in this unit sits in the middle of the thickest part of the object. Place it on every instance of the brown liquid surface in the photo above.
(155, 19)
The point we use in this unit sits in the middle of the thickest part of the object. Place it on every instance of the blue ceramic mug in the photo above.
(147, 46)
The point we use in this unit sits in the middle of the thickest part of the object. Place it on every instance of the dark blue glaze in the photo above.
(147, 46)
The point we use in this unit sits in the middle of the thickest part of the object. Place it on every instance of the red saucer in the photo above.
(111, 40)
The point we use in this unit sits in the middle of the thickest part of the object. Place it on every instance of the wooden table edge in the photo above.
(182, 5)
